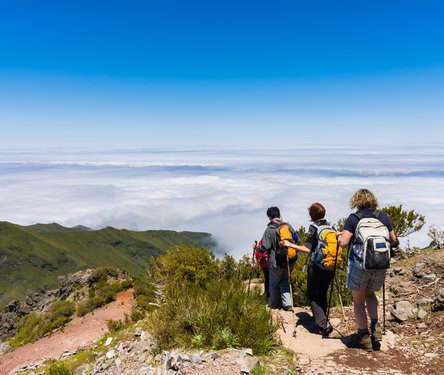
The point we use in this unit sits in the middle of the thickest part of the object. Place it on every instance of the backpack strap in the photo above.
(358, 215)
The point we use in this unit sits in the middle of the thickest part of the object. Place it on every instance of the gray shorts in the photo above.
(361, 279)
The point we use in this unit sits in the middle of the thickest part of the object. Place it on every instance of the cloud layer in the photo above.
(224, 192)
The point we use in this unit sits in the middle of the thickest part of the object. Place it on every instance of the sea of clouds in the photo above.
(223, 192)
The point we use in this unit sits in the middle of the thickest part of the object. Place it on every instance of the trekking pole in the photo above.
(383, 308)
(291, 297)
(342, 305)
(251, 269)
(332, 282)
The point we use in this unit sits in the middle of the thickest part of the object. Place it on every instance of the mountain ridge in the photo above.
(31, 257)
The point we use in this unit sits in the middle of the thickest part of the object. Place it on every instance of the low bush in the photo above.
(32, 327)
(59, 369)
(118, 325)
(217, 316)
(28, 330)
(99, 295)
(103, 273)
(144, 291)
(137, 315)
(184, 265)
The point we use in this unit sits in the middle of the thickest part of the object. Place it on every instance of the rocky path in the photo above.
(318, 355)
(78, 333)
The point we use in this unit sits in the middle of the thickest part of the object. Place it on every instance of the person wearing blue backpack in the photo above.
(371, 233)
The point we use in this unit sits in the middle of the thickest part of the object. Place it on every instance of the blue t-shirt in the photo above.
(352, 222)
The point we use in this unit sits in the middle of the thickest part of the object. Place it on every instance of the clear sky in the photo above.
(220, 73)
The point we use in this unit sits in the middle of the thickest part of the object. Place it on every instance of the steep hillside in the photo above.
(32, 257)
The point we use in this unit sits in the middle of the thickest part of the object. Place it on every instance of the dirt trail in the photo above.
(78, 333)
(318, 355)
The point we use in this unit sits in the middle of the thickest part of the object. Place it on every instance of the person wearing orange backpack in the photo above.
(320, 270)
(278, 260)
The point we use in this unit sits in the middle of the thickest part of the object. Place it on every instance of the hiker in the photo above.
(363, 280)
(319, 277)
(278, 263)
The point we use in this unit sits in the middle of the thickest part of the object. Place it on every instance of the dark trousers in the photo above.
(266, 282)
(318, 281)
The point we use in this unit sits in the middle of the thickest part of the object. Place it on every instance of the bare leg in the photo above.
(359, 299)
(372, 304)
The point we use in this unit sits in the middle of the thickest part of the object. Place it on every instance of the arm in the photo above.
(393, 238)
(344, 238)
(301, 248)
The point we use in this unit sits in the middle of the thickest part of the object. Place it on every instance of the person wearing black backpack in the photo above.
(371, 234)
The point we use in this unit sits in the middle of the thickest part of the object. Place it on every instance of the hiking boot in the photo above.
(287, 308)
(361, 341)
(325, 332)
(376, 332)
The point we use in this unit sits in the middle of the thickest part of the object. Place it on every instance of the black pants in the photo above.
(266, 282)
(318, 281)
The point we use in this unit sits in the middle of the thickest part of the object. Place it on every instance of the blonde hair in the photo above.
(363, 198)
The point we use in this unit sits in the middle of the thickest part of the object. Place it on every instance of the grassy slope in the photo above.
(32, 257)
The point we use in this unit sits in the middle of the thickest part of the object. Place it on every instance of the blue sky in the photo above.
(220, 73)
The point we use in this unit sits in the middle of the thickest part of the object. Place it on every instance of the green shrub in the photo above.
(62, 308)
(299, 282)
(118, 325)
(28, 330)
(32, 327)
(144, 292)
(259, 370)
(137, 315)
(228, 267)
(218, 316)
(404, 222)
(103, 273)
(249, 267)
(99, 295)
(184, 265)
(59, 369)
(114, 325)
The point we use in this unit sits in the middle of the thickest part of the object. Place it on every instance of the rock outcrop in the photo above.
(41, 302)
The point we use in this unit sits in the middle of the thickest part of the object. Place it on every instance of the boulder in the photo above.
(422, 268)
(247, 364)
(403, 311)
(438, 300)
(396, 289)
(4, 346)
(424, 302)
(422, 313)
(397, 271)
(428, 278)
